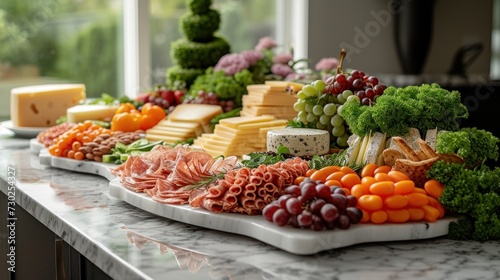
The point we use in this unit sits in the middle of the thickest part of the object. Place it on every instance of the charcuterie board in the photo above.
(83, 166)
(293, 240)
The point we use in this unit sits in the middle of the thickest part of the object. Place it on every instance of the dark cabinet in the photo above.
(39, 252)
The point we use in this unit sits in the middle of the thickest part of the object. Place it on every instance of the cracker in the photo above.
(391, 155)
(453, 158)
(421, 154)
(426, 149)
(406, 149)
(417, 171)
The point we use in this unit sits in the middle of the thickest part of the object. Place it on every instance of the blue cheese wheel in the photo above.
(300, 141)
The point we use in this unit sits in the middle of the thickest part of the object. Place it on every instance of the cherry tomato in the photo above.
(125, 107)
(125, 122)
(157, 112)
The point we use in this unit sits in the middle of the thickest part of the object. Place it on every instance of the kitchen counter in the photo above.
(129, 243)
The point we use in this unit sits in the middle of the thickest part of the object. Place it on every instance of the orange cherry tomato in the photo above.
(398, 175)
(350, 179)
(157, 112)
(337, 175)
(125, 107)
(360, 190)
(398, 216)
(147, 122)
(125, 122)
(382, 169)
(404, 187)
(323, 173)
(383, 188)
(346, 169)
(378, 217)
(381, 176)
(434, 188)
(368, 181)
(370, 202)
(368, 169)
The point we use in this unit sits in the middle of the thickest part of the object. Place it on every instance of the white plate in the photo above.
(28, 132)
(293, 240)
(83, 166)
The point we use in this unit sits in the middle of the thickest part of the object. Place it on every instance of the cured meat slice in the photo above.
(251, 189)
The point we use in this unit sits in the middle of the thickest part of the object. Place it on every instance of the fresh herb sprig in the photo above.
(255, 159)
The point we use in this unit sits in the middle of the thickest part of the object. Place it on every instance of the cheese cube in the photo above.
(42, 105)
(81, 113)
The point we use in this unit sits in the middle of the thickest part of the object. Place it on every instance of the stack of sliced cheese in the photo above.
(274, 98)
(239, 135)
(186, 121)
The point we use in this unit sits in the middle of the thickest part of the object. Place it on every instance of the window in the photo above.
(56, 41)
(243, 23)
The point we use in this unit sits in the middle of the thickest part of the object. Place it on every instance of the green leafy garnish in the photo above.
(256, 159)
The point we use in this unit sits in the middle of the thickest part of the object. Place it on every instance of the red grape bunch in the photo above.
(366, 88)
(314, 205)
(163, 97)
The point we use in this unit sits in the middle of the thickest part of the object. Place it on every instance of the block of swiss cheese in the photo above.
(42, 105)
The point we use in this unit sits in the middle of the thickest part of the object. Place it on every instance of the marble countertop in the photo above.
(129, 243)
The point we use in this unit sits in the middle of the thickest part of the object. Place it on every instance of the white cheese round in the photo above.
(300, 141)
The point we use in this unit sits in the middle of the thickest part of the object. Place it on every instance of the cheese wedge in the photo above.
(431, 137)
(375, 147)
(42, 105)
(300, 141)
(362, 149)
(81, 113)
(354, 142)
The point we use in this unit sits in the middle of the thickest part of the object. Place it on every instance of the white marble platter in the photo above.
(36, 146)
(83, 166)
(292, 240)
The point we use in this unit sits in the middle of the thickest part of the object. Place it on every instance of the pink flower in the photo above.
(265, 43)
(232, 63)
(327, 64)
(252, 56)
(282, 70)
(283, 58)
(295, 76)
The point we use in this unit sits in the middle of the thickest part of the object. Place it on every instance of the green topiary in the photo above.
(178, 74)
(199, 6)
(200, 27)
(188, 54)
(199, 48)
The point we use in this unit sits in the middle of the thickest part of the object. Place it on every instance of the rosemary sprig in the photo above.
(207, 180)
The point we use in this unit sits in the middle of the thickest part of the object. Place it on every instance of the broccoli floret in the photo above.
(423, 107)
(472, 193)
(487, 223)
(474, 145)
(224, 86)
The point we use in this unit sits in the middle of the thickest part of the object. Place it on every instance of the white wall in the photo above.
(456, 22)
